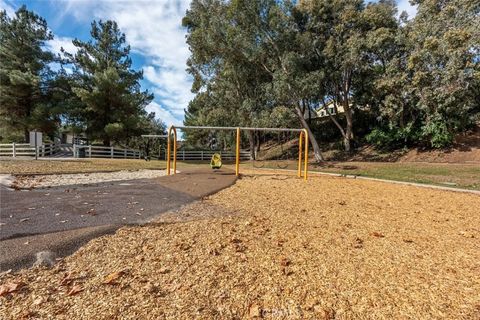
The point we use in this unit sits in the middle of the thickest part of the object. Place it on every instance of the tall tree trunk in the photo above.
(251, 142)
(258, 144)
(316, 148)
(348, 138)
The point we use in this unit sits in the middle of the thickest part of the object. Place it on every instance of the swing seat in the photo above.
(216, 162)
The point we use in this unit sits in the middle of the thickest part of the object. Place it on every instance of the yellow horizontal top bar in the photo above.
(241, 128)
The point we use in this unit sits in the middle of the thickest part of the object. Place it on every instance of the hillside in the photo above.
(466, 149)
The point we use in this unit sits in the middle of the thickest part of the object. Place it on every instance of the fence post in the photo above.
(74, 150)
(14, 153)
(201, 157)
(125, 153)
(183, 155)
(90, 151)
(111, 152)
(43, 150)
(37, 151)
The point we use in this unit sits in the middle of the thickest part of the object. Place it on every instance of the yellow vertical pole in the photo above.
(300, 141)
(174, 150)
(168, 149)
(237, 154)
(305, 173)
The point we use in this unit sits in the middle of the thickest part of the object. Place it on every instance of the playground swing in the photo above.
(216, 159)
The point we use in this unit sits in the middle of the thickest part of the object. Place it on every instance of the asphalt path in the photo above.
(60, 219)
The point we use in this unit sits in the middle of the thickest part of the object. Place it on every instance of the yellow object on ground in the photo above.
(216, 162)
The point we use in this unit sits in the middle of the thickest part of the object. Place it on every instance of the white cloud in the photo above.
(153, 29)
(8, 7)
(404, 5)
(164, 114)
(61, 42)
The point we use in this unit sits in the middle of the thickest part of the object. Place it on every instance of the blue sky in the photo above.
(153, 29)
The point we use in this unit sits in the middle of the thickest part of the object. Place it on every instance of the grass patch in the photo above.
(466, 176)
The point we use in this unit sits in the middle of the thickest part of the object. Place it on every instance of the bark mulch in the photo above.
(276, 247)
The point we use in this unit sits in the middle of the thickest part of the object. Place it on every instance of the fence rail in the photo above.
(16, 150)
(87, 151)
(25, 150)
(105, 152)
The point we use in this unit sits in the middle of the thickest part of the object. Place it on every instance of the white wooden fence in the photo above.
(105, 152)
(25, 150)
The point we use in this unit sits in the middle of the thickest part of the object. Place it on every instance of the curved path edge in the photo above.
(17, 252)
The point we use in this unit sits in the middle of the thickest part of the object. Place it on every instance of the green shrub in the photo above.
(437, 134)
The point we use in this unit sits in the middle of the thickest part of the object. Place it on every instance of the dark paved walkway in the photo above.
(61, 219)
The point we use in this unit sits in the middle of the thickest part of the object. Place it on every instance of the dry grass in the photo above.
(75, 166)
(277, 247)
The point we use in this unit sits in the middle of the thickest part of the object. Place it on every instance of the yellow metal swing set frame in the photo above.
(302, 145)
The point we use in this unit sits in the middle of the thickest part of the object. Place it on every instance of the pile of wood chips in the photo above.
(274, 247)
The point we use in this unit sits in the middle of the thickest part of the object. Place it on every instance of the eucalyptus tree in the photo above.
(229, 84)
(432, 85)
(445, 67)
(349, 44)
(246, 46)
(24, 73)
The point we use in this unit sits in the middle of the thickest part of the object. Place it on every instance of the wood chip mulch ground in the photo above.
(274, 247)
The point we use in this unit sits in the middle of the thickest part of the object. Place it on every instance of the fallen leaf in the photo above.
(466, 234)
(67, 279)
(24, 219)
(358, 243)
(285, 262)
(75, 289)
(255, 311)
(112, 277)
(164, 270)
(377, 234)
(10, 287)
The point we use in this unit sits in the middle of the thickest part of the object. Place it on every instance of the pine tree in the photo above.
(108, 87)
(24, 74)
